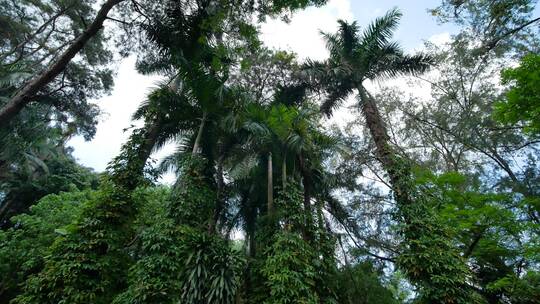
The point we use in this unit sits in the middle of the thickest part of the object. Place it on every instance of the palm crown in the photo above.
(355, 57)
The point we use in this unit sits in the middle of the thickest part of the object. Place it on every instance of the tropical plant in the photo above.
(355, 58)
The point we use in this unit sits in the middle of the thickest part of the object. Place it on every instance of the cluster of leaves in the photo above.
(488, 229)
(289, 271)
(24, 246)
(34, 34)
(296, 260)
(178, 259)
(33, 150)
(521, 104)
(363, 283)
(181, 263)
(40, 171)
(428, 256)
(88, 262)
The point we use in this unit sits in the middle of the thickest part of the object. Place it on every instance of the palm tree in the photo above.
(357, 57)
(370, 55)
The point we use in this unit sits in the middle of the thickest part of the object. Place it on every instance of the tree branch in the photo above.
(24, 96)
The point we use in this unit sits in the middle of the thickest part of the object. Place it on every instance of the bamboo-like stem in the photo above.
(284, 171)
(270, 198)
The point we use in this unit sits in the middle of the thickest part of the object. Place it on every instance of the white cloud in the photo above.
(302, 34)
(377, 12)
(440, 39)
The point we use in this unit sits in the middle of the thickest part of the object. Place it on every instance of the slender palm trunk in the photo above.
(219, 192)
(284, 172)
(25, 95)
(197, 144)
(270, 198)
(306, 181)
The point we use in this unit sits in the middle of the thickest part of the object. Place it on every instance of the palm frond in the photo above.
(13, 79)
(257, 128)
(402, 65)
(378, 33)
(333, 43)
(141, 111)
(243, 168)
(173, 162)
(348, 36)
(336, 95)
(36, 162)
(315, 70)
(295, 142)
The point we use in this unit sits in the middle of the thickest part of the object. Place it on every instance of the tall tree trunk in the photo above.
(25, 95)
(197, 144)
(384, 152)
(306, 181)
(219, 191)
(423, 232)
(284, 172)
(250, 216)
(270, 194)
(150, 138)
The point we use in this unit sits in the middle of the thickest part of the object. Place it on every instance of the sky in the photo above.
(301, 35)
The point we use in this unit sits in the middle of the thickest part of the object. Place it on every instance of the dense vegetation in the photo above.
(418, 199)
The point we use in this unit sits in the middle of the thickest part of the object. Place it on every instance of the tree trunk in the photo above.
(422, 231)
(284, 172)
(149, 141)
(25, 95)
(129, 175)
(219, 191)
(270, 199)
(196, 145)
(384, 152)
(306, 181)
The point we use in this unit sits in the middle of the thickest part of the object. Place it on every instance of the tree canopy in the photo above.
(418, 198)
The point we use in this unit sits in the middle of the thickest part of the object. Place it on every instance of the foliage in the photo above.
(179, 263)
(41, 171)
(361, 283)
(33, 146)
(293, 268)
(87, 263)
(429, 258)
(416, 201)
(289, 270)
(521, 104)
(488, 230)
(178, 260)
(34, 34)
(193, 198)
(24, 246)
(499, 26)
